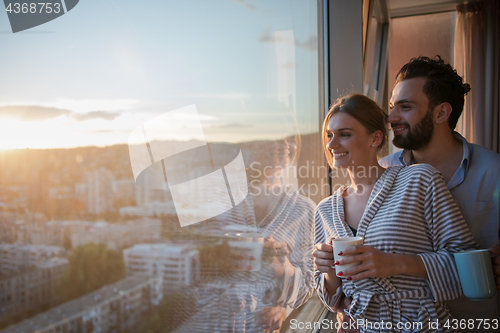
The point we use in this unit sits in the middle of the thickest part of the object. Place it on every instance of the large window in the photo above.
(138, 133)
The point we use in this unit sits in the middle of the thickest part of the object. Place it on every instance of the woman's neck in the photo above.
(363, 176)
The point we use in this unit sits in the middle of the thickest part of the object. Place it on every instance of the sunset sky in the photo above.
(94, 74)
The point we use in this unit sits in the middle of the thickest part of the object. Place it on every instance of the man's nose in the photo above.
(394, 116)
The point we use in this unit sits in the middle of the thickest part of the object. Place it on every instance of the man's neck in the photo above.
(444, 153)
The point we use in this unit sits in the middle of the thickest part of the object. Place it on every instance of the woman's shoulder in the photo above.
(418, 175)
(418, 170)
(328, 202)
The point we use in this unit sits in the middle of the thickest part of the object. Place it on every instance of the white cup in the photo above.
(248, 244)
(341, 244)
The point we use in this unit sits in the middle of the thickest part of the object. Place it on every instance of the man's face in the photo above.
(411, 119)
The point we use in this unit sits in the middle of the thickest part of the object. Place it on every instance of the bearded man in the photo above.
(425, 106)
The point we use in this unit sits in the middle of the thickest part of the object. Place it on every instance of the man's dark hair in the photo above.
(443, 84)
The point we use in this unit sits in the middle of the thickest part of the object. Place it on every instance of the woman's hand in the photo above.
(275, 256)
(271, 318)
(323, 258)
(376, 263)
(345, 322)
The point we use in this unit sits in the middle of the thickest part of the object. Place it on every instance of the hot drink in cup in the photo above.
(476, 274)
(340, 245)
(248, 247)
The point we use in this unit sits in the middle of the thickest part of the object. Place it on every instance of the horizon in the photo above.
(92, 84)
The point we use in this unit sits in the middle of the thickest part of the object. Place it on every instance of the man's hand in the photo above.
(495, 261)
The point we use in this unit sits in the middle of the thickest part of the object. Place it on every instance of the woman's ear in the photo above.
(442, 113)
(377, 138)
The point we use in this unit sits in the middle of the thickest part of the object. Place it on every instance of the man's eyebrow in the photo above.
(402, 101)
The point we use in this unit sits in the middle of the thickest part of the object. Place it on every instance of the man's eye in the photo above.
(344, 135)
(405, 107)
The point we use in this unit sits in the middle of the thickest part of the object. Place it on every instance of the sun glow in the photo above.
(55, 133)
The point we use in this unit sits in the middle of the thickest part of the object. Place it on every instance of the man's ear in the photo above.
(442, 112)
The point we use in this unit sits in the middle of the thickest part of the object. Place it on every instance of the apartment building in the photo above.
(114, 308)
(16, 257)
(177, 264)
(30, 289)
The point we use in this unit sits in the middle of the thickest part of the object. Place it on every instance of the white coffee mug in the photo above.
(248, 245)
(340, 245)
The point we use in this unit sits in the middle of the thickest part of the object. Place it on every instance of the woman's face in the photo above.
(348, 141)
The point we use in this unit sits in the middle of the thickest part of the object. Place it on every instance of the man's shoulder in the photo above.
(480, 154)
(483, 166)
(390, 160)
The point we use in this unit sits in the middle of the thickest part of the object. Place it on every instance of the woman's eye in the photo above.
(329, 135)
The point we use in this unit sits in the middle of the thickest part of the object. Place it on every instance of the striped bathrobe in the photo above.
(410, 211)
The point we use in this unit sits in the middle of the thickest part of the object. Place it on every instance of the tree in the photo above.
(90, 267)
(172, 313)
(67, 241)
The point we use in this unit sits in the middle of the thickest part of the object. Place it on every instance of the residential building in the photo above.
(177, 264)
(114, 308)
(30, 288)
(100, 191)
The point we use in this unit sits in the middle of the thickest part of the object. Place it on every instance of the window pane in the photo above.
(169, 150)
(413, 36)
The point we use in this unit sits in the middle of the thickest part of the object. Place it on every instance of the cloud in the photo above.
(311, 44)
(36, 113)
(95, 114)
(230, 96)
(232, 125)
(31, 113)
(245, 4)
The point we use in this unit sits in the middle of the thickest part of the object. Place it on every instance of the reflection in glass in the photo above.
(201, 222)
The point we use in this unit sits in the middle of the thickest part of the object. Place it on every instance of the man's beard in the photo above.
(419, 137)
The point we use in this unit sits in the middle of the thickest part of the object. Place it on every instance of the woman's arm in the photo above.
(376, 263)
(323, 259)
(328, 285)
(449, 234)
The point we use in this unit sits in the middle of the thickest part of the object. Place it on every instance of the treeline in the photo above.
(90, 267)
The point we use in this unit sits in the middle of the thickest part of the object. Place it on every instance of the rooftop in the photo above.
(70, 309)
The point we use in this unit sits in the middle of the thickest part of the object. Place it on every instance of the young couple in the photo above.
(409, 221)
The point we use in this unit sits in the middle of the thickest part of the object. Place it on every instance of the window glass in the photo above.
(413, 36)
(426, 35)
(168, 150)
